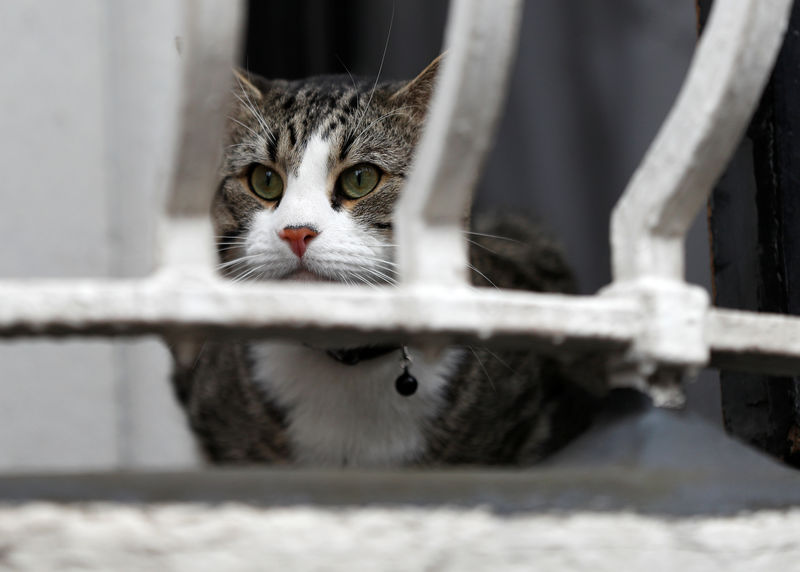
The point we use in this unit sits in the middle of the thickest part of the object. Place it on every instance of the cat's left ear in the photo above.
(417, 93)
(245, 84)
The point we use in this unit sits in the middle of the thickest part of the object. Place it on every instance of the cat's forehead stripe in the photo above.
(315, 157)
(312, 172)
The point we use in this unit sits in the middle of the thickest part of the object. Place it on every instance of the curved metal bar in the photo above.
(730, 68)
(481, 40)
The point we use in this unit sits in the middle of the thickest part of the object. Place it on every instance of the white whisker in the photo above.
(374, 259)
(479, 245)
(248, 273)
(490, 236)
(390, 271)
(471, 267)
(242, 144)
(381, 275)
(255, 133)
(380, 70)
(352, 80)
(503, 363)
(231, 242)
(239, 260)
(398, 111)
(485, 371)
(252, 108)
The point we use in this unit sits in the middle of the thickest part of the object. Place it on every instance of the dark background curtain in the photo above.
(592, 84)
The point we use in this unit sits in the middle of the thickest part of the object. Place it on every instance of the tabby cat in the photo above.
(311, 173)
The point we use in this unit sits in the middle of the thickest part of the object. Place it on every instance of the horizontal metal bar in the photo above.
(552, 322)
(738, 340)
(768, 343)
(308, 310)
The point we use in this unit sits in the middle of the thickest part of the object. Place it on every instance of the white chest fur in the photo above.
(342, 415)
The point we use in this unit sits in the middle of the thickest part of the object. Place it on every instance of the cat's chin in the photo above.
(305, 276)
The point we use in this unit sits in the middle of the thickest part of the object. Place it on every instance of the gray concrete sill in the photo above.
(638, 459)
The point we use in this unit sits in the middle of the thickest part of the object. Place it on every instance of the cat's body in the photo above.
(310, 178)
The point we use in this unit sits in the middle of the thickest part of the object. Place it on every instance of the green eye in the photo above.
(359, 180)
(266, 183)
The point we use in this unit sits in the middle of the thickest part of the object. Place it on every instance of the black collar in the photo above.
(364, 353)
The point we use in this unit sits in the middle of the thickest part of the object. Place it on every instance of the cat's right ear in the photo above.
(417, 93)
(245, 85)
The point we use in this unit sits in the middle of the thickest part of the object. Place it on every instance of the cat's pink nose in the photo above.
(298, 238)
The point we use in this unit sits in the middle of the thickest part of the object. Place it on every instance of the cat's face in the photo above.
(311, 174)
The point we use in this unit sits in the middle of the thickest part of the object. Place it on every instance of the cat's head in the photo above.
(311, 174)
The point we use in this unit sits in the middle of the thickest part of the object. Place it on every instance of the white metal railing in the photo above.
(649, 316)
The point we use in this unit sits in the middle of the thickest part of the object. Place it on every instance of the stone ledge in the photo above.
(232, 537)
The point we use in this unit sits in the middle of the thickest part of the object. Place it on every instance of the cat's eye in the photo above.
(359, 180)
(266, 183)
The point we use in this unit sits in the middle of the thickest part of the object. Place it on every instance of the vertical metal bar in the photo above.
(481, 40)
(729, 70)
(209, 46)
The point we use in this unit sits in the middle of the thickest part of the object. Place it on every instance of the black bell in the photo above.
(406, 384)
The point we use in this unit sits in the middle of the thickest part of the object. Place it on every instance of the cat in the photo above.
(311, 173)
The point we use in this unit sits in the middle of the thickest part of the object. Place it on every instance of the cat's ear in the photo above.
(417, 93)
(245, 85)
